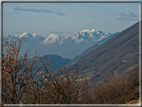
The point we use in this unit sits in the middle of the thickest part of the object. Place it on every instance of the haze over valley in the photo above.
(95, 53)
(65, 46)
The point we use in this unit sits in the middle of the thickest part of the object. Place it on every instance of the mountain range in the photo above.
(65, 46)
(95, 53)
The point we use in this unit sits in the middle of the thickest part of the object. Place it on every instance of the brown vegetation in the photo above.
(118, 90)
(17, 73)
(23, 82)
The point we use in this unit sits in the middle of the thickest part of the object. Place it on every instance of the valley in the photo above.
(110, 53)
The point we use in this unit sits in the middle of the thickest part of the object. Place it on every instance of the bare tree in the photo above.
(17, 72)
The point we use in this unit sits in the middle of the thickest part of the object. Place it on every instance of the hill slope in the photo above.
(83, 53)
(56, 61)
(91, 48)
(119, 54)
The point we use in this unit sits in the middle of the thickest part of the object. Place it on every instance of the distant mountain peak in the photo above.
(26, 35)
(53, 35)
(90, 30)
(52, 39)
(86, 30)
(88, 35)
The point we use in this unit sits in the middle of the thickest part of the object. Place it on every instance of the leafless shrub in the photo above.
(61, 89)
(17, 72)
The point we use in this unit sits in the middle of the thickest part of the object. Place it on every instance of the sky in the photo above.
(66, 18)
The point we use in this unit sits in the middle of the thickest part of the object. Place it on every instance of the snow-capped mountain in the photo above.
(65, 46)
(53, 39)
(29, 36)
(25, 35)
(88, 35)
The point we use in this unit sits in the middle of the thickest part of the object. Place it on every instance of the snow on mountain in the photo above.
(88, 35)
(52, 39)
(67, 46)
(29, 37)
(26, 35)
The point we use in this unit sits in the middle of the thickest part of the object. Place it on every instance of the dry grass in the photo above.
(118, 90)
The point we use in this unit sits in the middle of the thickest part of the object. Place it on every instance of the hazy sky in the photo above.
(67, 18)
